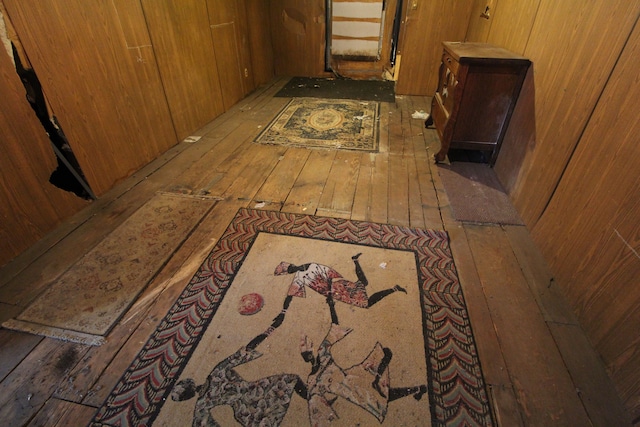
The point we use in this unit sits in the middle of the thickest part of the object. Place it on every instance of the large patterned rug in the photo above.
(299, 320)
(325, 123)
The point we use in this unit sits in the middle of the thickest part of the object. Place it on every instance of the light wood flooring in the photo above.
(538, 365)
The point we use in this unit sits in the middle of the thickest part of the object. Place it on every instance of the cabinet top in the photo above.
(477, 52)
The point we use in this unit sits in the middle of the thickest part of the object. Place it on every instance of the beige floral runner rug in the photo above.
(325, 123)
(298, 320)
(84, 303)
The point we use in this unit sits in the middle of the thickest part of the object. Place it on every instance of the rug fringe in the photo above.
(52, 332)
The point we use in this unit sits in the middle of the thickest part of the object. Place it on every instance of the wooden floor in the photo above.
(538, 365)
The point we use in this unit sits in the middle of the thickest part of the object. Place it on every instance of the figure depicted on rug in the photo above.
(325, 280)
(263, 402)
(365, 384)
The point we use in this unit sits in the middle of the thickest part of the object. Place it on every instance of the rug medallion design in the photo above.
(300, 320)
(325, 123)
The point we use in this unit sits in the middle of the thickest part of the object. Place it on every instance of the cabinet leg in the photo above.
(428, 122)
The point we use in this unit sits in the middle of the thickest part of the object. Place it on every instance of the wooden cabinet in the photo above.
(477, 90)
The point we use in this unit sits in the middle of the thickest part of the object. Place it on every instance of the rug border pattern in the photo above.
(457, 392)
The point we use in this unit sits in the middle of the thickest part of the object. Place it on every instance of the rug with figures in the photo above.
(301, 320)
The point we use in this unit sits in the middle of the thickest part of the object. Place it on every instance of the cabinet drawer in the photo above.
(450, 62)
(439, 115)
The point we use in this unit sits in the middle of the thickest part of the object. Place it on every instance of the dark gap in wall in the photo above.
(67, 176)
(469, 156)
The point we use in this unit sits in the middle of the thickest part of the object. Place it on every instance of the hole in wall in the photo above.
(68, 175)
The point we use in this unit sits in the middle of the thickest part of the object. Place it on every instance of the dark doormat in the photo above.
(476, 195)
(313, 87)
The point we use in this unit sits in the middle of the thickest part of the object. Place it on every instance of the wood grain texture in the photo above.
(29, 205)
(496, 267)
(512, 23)
(105, 95)
(590, 231)
(555, 397)
(262, 58)
(228, 26)
(57, 412)
(28, 387)
(479, 23)
(568, 82)
(424, 29)
(187, 61)
(298, 36)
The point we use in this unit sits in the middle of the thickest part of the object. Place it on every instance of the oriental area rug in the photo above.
(84, 303)
(298, 320)
(325, 123)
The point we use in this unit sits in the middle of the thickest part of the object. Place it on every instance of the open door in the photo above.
(361, 37)
(357, 29)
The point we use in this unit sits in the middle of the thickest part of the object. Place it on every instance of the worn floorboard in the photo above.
(539, 367)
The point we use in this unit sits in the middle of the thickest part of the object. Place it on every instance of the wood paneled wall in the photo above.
(298, 37)
(425, 27)
(184, 49)
(262, 61)
(591, 230)
(228, 23)
(126, 81)
(29, 205)
(104, 88)
(570, 160)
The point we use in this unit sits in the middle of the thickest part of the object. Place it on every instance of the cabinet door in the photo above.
(487, 99)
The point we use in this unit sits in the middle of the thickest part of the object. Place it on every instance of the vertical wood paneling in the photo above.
(573, 47)
(479, 22)
(226, 28)
(180, 33)
(106, 94)
(512, 23)
(591, 230)
(29, 205)
(259, 28)
(425, 28)
(298, 34)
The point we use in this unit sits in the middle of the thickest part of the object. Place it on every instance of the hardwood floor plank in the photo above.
(384, 115)
(254, 173)
(539, 277)
(58, 412)
(416, 213)
(546, 394)
(14, 347)
(494, 367)
(595, 388)
(339, 189)
(27, 388)
(398, 202)
(531, 352)
(380, 192)
(278, 184)
(305, 194)
(361, 209)
(370, 200)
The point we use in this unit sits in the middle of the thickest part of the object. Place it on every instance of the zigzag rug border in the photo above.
(457, 391)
